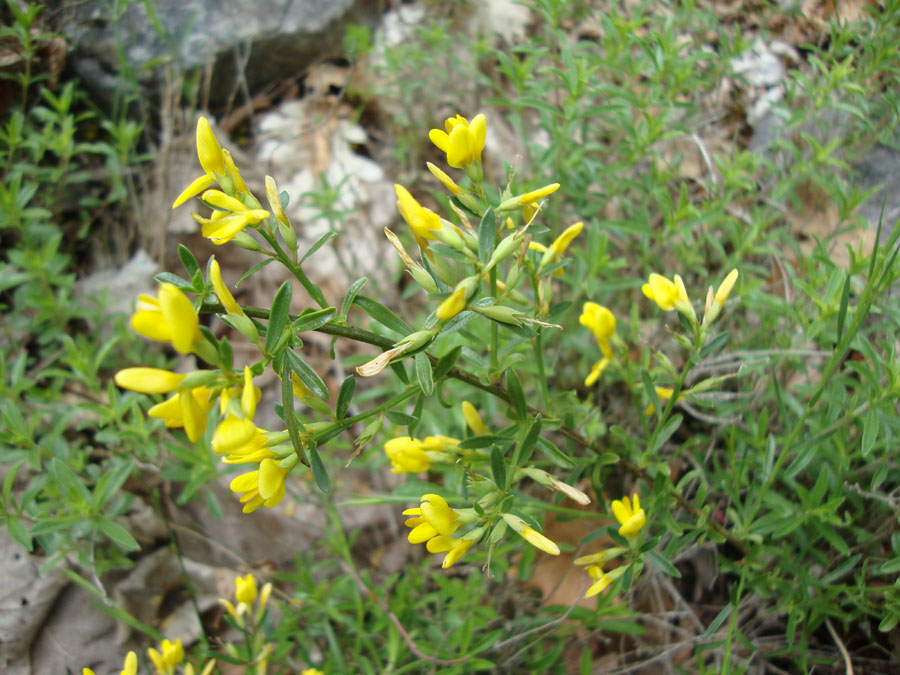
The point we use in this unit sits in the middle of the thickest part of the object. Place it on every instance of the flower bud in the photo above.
(501, 314)
(504, 249)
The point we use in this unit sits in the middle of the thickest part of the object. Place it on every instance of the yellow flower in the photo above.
(462, 141)
(562, 241)
(668, 295)
(725, 287)
(407, 455)
(559, 246)
(169, 656)
(148, 380)
(473, 420)
(447, 182)
(186, 409)
(601, 322)
(169, 318)
(231, 218)
(129, 668)
(312, 671)
(263, 487)
(222, 292)
(439, 443)
(423, 222)
(539, 541)
(252, 452)
(714, 303)
(433, 517)
(537, 195)
(231, 169)
(232, 433)
(630, 515)
(454, 548)
(602, 581)
(212, 160)
(245, 589)
(453, 305)
(596, 371)
(130, 665)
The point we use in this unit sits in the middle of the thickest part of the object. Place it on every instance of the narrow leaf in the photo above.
(666, 432)
(842, 312)
(278, 316)
(423, 373)
(348, 387)
(554, 454)
(663, 565)
(516, 394)
(446, 362)
(320, 242)
(498, 467)
(382, 315)
(191, 266)
(527, 441)
(486, 234)
(312, 320)
(253, 270)
(319, 471)
(352, 292)
(307, 375)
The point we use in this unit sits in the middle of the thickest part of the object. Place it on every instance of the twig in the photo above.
(848, 665)
(537, 629)
(500, 392)
(394, 620)
(706, 160)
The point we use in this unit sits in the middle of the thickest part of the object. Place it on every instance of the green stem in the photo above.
(495, 333)
(314, 291)
(499, 391)
(350, 421)
(542, 375)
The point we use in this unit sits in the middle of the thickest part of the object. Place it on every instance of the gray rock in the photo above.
(277, 38)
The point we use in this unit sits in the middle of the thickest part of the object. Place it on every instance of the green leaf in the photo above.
(191, 266)
(423, 373)
(719, 619)
(487, 230)
(320, 242)
(382, 315)
(842, 311)
(666, 432)
(312, 320)
(352, 292)
(663, 565)
(117, 534)
(485, 441)
(554, 454)
(110, 482)
(278, 316)
(498, 467)
(870, 433)
(400, 418)
(307, 375)
(348, 387)
(169, 278)
(68, 481)
(319, 472)
(19, 534)
(253, 270)
(528, 440)
(714, 345)
(516, 395)
(650, 390)
(446, 362)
